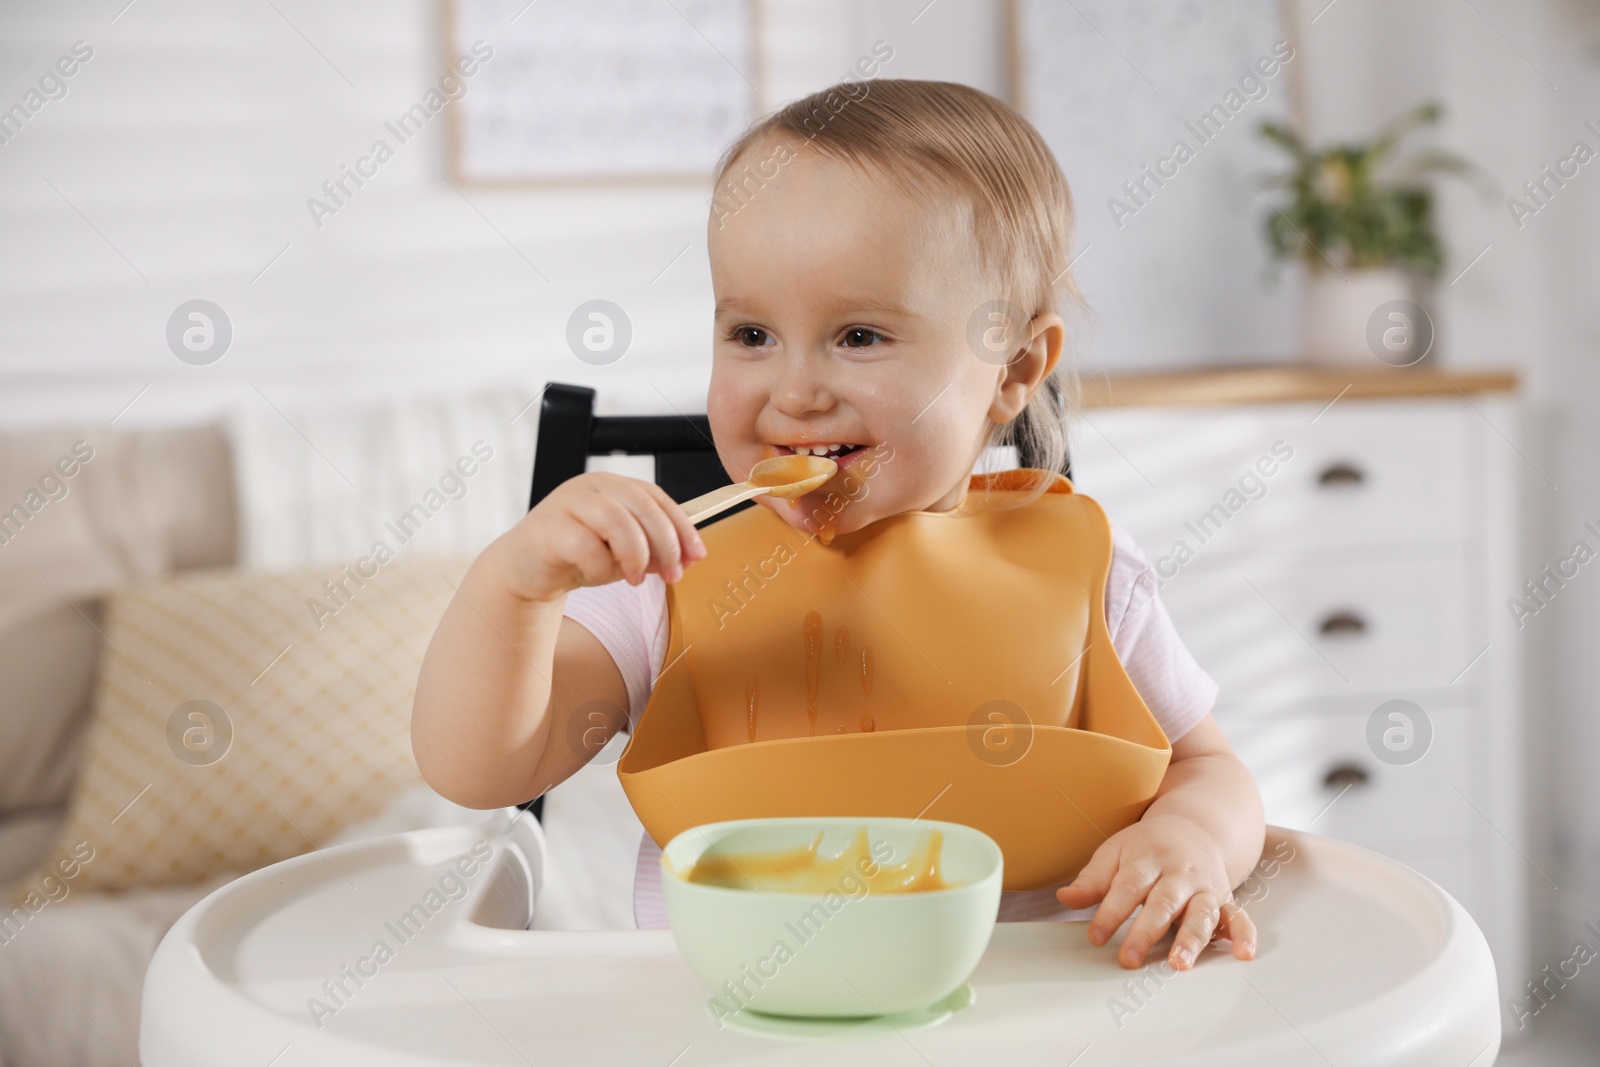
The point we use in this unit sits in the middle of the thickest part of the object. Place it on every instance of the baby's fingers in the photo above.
(1127, 892)
(613, 522)
(688, 538)
(664, 552)
(1239, 928)
(1200, 919)
(1166, 899)
(1092, 882)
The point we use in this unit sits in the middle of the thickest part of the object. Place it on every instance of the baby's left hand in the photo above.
(1173, 867)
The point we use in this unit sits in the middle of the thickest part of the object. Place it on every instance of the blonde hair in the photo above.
(945, 137)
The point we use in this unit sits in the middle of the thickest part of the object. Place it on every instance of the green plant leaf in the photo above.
(1284, 138)
(1395, 129)
(1360, 205)
(1438, 161)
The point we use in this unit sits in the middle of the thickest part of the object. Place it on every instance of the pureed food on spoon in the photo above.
(802, 870)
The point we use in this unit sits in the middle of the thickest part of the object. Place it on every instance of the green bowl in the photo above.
(844, 953)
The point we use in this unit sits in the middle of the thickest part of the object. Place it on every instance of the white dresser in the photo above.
(1336, 565)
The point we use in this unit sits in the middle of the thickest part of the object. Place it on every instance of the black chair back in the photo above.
(570, 432)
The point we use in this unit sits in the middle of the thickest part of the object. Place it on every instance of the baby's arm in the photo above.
(505, 672)
(1199, 838)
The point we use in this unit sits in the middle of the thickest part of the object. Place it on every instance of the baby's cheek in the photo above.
(721, 407)
(737, 385)
(732, 412)
(921, 462)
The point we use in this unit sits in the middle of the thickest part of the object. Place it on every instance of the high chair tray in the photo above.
(1360, 961)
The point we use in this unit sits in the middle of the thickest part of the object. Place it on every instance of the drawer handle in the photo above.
(1339, 475)
(1344, 776)
(1342, 624)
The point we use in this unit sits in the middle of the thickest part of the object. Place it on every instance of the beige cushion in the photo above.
(319, 717)
(139, 504)
(136, 505)
(47, 664)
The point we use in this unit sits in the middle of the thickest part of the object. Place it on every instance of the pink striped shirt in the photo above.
(631, 622)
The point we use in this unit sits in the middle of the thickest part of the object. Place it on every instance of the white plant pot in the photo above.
(1346, 319)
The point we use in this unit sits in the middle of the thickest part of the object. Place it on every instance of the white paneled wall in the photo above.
(179, 164)
(191, 142)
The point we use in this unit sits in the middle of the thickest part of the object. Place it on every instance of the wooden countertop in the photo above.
(1261, 385)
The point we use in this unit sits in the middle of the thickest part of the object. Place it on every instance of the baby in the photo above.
(890, 263)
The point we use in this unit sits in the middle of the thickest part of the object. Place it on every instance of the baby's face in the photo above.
(841, 319)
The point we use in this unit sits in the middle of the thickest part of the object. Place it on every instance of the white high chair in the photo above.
(1360, 961)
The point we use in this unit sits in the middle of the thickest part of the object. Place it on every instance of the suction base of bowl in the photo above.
(858, 1028)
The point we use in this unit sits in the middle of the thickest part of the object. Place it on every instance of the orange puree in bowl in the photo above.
(801, 870)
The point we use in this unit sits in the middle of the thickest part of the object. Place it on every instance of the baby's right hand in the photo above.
(593, 530)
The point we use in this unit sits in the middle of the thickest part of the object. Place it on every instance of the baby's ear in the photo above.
(1029, 367)
(1049, 341)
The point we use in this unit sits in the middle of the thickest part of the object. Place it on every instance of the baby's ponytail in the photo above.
(1039, 433)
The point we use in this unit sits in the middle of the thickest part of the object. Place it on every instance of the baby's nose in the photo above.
(803, 389)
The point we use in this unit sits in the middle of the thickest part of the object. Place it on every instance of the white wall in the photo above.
(193, 137)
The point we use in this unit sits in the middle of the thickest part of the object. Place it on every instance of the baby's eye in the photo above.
(751, 336)
(860, 337)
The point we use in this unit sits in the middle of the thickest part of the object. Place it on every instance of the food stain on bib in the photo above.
(867, 725)
(811, 628)
(802, 870)
(751, 692)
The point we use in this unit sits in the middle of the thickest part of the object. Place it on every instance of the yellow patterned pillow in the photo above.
(241, 718)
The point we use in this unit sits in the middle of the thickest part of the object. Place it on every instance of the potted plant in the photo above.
(1360, 218)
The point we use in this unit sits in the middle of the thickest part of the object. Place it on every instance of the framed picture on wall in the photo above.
(584, 91)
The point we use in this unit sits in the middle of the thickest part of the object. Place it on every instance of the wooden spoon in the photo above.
(781, 476)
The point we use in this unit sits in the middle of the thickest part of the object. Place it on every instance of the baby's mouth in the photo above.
(831, 451)
(818, 512)
(846, 455)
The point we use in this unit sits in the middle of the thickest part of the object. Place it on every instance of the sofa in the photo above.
(92, 517)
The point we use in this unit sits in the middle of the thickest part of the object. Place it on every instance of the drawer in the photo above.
(1221, 480)
(1318, 773)
(1288, 633)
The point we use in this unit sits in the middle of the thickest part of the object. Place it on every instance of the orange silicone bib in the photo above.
(948, 664)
